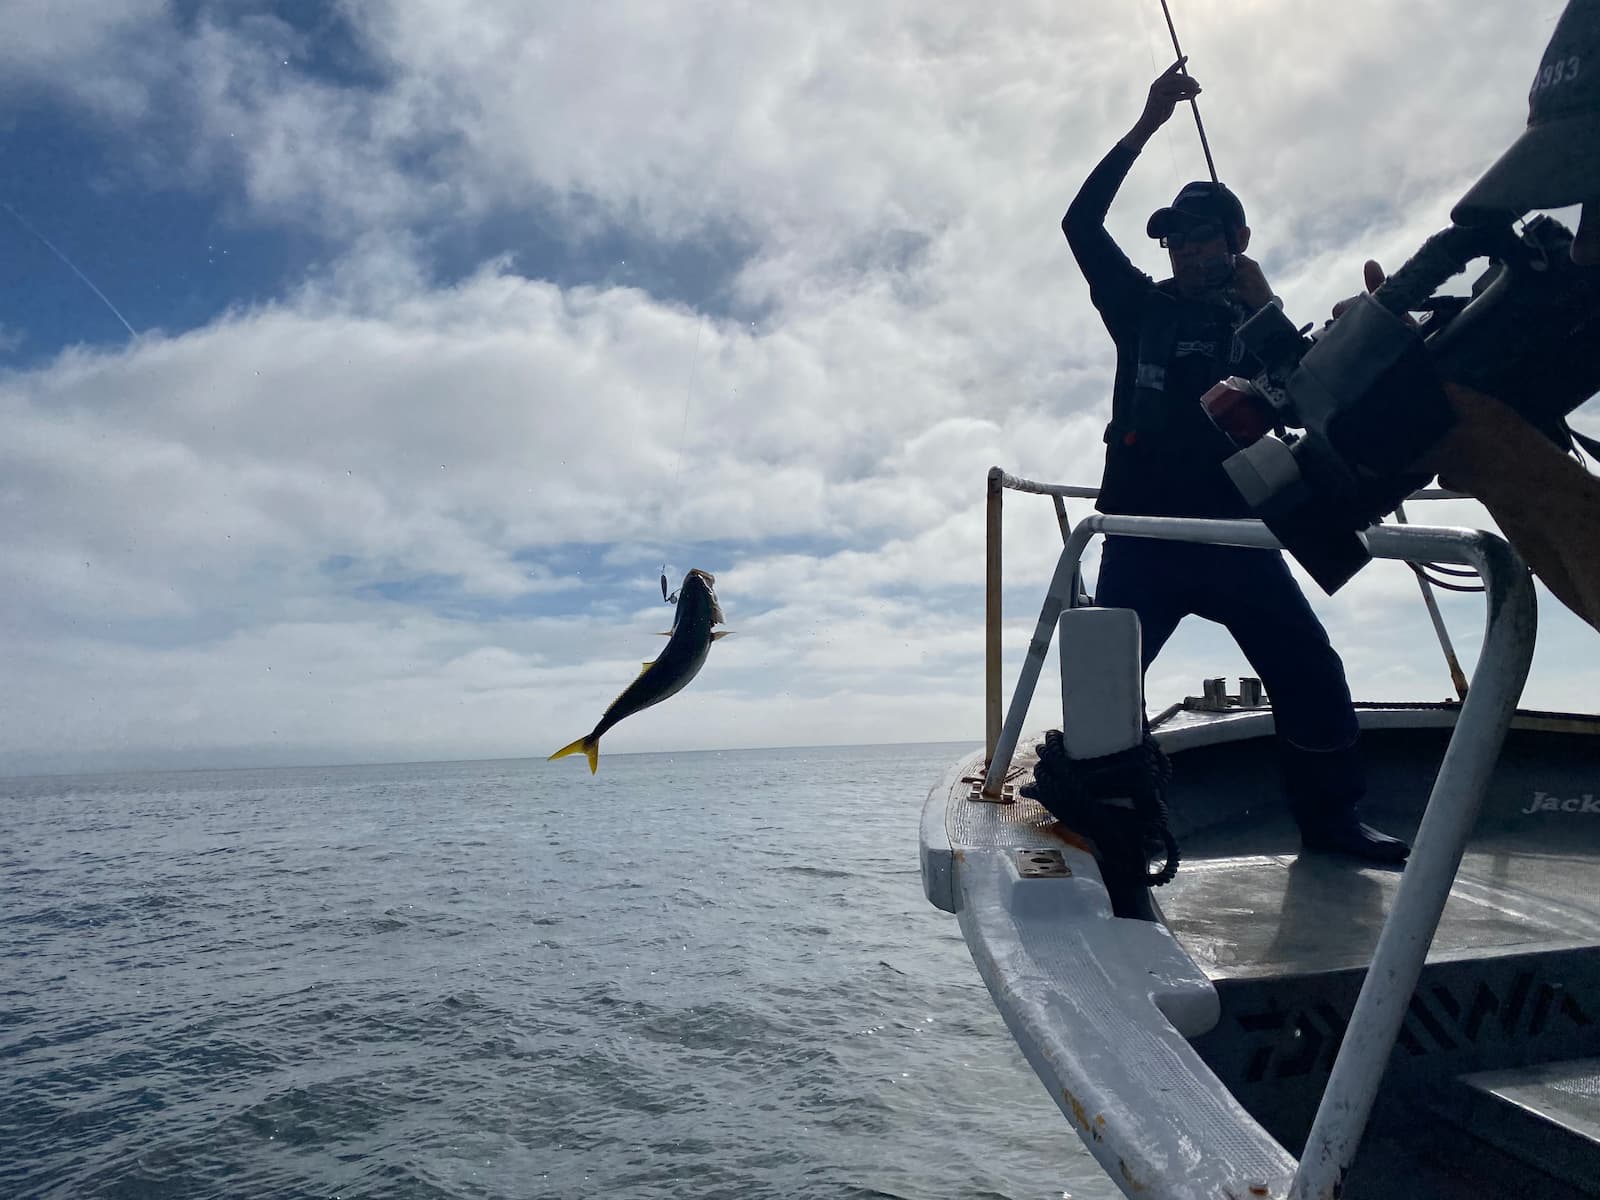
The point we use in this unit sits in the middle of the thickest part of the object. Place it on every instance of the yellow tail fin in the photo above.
(587, 745)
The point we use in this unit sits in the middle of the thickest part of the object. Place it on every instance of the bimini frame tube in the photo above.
(992, 618)
(1453, 805)
(1447, 823)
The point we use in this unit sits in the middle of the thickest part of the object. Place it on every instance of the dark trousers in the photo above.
(1252, 595)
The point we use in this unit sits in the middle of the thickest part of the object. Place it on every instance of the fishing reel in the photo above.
(1365, 394)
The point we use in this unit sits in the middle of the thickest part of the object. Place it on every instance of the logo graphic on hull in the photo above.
(1545, 802)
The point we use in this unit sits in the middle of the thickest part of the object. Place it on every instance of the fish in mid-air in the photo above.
(687, 646)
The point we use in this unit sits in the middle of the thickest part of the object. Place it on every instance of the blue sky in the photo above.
(172, 250)
(456, 319)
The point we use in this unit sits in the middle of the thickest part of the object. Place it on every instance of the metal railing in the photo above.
(1447, 821)
(999, 482)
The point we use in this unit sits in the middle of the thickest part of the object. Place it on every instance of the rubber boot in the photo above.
(1324, 787)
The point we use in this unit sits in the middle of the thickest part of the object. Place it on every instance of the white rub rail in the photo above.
(1452, 807)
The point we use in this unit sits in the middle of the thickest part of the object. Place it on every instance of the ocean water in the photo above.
(692, 975)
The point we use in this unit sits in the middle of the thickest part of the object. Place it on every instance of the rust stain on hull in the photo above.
(1094, 1129)
(1067, 836)
(1078, 1113)
(1133, 1184)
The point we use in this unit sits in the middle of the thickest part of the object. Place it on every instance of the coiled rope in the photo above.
(1076, 794)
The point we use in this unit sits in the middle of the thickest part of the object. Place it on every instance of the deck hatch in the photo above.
(1041, 864)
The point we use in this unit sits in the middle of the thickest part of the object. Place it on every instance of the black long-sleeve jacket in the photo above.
(1162, 460)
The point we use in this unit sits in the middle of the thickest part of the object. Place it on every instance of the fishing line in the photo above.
(89, 283)
(688, 395)
(1156, 69)
(683, 432)
(1193, 103)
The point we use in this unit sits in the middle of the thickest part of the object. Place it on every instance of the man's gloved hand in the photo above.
(1171, 88)
(1249, 284)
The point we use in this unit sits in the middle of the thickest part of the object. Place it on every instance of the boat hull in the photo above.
(1246, 988)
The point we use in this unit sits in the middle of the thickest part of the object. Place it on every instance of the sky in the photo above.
(361, 364)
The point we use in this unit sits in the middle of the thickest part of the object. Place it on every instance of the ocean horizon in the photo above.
(266, 764)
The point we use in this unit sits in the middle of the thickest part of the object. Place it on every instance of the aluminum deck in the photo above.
(1260, 916)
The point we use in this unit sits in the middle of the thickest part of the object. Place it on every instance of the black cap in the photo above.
(1556, 161)
(1198, 201)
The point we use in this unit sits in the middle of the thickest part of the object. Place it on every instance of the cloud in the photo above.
(406, 511)
(103, 57)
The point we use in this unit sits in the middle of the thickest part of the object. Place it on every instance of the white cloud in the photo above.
(103, 55)
(201, 507)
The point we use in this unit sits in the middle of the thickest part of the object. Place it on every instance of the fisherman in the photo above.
(1175, 339)
(1545, 503)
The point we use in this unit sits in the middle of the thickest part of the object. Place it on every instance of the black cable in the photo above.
(1446, 585)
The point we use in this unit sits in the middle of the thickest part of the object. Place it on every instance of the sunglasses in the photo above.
(1194, 235)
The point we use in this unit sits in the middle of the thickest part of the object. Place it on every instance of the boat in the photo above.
(1283, 1024)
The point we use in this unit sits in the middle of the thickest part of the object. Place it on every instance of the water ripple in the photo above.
(438, 982)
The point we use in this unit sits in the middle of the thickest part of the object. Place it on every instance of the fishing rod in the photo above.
(1194, 107)
(1194, 104)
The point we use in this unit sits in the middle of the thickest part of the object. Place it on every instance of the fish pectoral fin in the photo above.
(666, 633)
(721, 633)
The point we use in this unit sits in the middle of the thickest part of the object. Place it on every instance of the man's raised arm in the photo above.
(1104, 265)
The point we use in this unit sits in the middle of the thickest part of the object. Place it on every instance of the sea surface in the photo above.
(691, 975)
